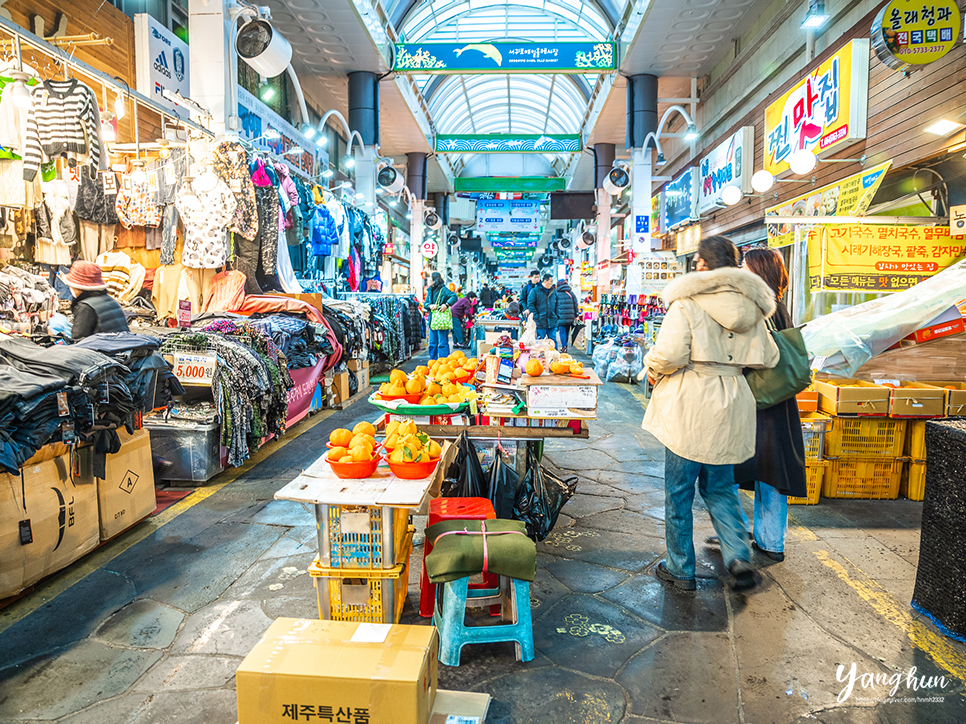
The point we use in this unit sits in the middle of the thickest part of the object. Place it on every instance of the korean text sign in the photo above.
(824, 112)
(913, 32)
(508, 216)
(879, 258)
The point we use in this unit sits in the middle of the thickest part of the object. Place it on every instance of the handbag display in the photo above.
(786, 379)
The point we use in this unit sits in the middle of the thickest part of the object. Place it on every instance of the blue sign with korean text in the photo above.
(680, 200)
(504, 57)
(642, 224)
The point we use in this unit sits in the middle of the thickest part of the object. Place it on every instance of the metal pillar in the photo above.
(641, 108)
(603, 162)
(641, 120)
(416, 181)
(364, 106)
(441, 201)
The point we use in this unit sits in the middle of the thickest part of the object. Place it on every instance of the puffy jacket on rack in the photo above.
(325, 234)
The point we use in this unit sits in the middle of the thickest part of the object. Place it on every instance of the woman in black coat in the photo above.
(778, 467)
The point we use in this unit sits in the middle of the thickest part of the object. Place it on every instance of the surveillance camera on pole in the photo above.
(390, 179)
(431, 219)
(263, 48)
(617, 179)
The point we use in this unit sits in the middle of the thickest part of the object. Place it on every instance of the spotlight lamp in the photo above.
(350, 162)
(692, 133)
(266, 92)
(816, 16)
(660, 160)
(328, 173)
(307, 130)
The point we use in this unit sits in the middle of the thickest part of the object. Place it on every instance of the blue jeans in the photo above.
(458, 331)
(717, 486)
(438, 343)
(563, 332)
(771, 518)
(543, 333)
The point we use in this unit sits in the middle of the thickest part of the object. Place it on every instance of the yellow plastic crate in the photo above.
(915, 446)
(364, 595)
(356, 536)
(874, 478)
(814, 427)
(865, 436)
(814, 473)
(913, 483)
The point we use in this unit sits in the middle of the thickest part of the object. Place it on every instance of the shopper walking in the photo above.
(439, 301)
(532, 283)
(463, 310)
(542, 304)
(565, 312)
(94, 311)
(702, 409)
(778, 466)
(486, 296)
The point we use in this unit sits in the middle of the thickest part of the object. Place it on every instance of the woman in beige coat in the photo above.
(702, 409)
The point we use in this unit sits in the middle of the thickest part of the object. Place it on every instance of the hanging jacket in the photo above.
(92, 203)
(231, 166)
(325, 235)
(64, 119)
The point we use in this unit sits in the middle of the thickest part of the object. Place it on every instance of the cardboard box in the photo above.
(917, 399)
(852, 397)
(482, 349)
(368, 672)
(339, 389)
(459, 707)
(955, 398)
(58, 526)
(807, 399)
(948, 323)
(357, 364)
(126, 494)
(362, 374)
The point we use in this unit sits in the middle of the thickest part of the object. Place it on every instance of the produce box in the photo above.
(955, 397)
(807, 399)
(917, 399)
(852, 397)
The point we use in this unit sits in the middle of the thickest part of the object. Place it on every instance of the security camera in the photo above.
(431, 220)
(588, 238)
(263, 48)
(390, 179)
(616, 180)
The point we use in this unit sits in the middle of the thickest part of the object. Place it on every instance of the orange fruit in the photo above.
(576, 368)
(422, 370)
(454, 398)
(364, 428)
(363, 440)
(461, 375)
(459, 354)
(414, 386)
(450, 389)
(361, 454)
(398, 376)
(434, 388)
(534, 368)
(340, 436)
(337, 453)
(446, 377)
(559, 368)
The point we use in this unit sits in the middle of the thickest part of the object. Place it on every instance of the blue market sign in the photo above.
(504, 57)
(502, 143)
(681, 199)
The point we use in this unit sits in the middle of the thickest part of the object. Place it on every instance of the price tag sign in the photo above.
(184, 313)
(194, 369)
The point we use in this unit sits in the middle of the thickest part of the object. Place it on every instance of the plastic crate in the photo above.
(814, 427)
(814, 473)
(913, 483)
(354, 536)
(915, 446)
(363, 595)
(865, 436)
(863, 477)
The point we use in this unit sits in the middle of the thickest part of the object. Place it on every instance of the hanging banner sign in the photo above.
(161, 63)
(957, 220)
(687, 240)
(430, 248)
(878, 258)
(657, 217)
(725, 166)
(849, 197)
(508, 143)
(257, 118)
(507, 216)
(680, 199)
(824, 112)
(505, 57)
(910, 33)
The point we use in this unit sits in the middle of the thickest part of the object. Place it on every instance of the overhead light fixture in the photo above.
(138, 176)
(350, 162)
(307, 130)
(762, 181)
(294, 149)
(328, 173)
(271, 134)
(107, 127)
(731, 194)
(120, 107)
(409, 215)
(660, 160)
(802, 162)
(359, 196)
(816, 16)
(322, 140)
(266, 92)
(943, 127)
(692, 133)
(263, 48)
(165, 150)
(394, 201)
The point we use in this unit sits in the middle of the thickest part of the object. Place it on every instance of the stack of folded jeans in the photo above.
(149, 376)
(29, 414)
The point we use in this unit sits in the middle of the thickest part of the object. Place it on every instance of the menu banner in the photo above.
(508, 216)
(849, 197)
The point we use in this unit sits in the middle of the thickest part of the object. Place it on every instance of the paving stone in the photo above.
(96, 596)
(193, 572)
(274, 577)
(590, 486)
(581, 505)
(187, 673)
(629, 482)
(59, 684)
(951, 710)
(842, 715)
(638, 467)
(626, 551)
(549, 694)
(300, 539)
(591, 636)
(582, 577)
(141, 624)
(671, 608)
(194, 707)
(624, 521)
(874, 558)
(590, 459)
(563, 521)
(684, 677)
(227, 627)
(284, 512)
(650, 503)
(289, 606)
(479, 662)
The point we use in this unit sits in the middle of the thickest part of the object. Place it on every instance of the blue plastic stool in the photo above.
(454, 634)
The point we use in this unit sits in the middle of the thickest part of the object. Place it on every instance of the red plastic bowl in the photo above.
(330, 445)
(413, 471)
(414, 399)
(355, 471)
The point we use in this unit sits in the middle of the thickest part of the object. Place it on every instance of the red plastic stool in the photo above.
(454, 509)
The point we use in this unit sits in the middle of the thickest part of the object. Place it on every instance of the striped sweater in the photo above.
(64, 119)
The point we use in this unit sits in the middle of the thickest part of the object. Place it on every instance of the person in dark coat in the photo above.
(542, 304)
(94, 310)
(532, 283)
(486, 297)
(463, 310)
(565, 312)
(778, 468)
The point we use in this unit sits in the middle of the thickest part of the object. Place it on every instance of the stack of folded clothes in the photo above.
(149, 376)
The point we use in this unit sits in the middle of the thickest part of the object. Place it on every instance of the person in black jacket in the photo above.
(486, 297)
(94, 311)
(532, 283)
(565, 312)
(542, 304)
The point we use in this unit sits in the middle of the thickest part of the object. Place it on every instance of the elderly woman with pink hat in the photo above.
(94, 310)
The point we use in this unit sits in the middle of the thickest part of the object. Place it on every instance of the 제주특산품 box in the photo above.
(311, 670)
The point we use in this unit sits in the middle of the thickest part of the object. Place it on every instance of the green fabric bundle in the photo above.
(461, 555)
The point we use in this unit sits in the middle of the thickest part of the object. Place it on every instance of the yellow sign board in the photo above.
(878, 258)
(913, 32)
(824, 112)
(849, 197)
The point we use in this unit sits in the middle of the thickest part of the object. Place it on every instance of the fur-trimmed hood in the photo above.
(734, 298)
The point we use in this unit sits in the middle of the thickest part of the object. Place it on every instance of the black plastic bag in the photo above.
(540, 498)
(502, 490)
(465, 478)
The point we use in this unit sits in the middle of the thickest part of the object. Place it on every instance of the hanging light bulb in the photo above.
(350, 162)
(802, 161)
(731, 194)
(165, 150)
(107, 128)
(138, 176)
(120, 107)
(762, 181)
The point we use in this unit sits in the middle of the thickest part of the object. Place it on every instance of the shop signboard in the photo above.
(586, 276)
(161, 63)
(878, 257)
(430, 248)
(957, 220)
(184, 313)
(508, 143)
(729, 164)
(687, 240)
(910, 33)
(257, 118)
(507, 216)
(505, 57)
(657, 270)
(849, 197)
(681, 199)
(824, 112)
(657, 218)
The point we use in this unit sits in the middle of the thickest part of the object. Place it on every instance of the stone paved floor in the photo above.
(151, 633)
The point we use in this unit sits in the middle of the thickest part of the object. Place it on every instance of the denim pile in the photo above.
(148, 376)
(303, 343)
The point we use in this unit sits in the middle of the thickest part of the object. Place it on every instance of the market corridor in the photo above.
(153, 632)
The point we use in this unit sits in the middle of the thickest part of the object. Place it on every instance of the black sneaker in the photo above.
(774, 555)
(742, 575)
(685, 584)
(713, 540)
